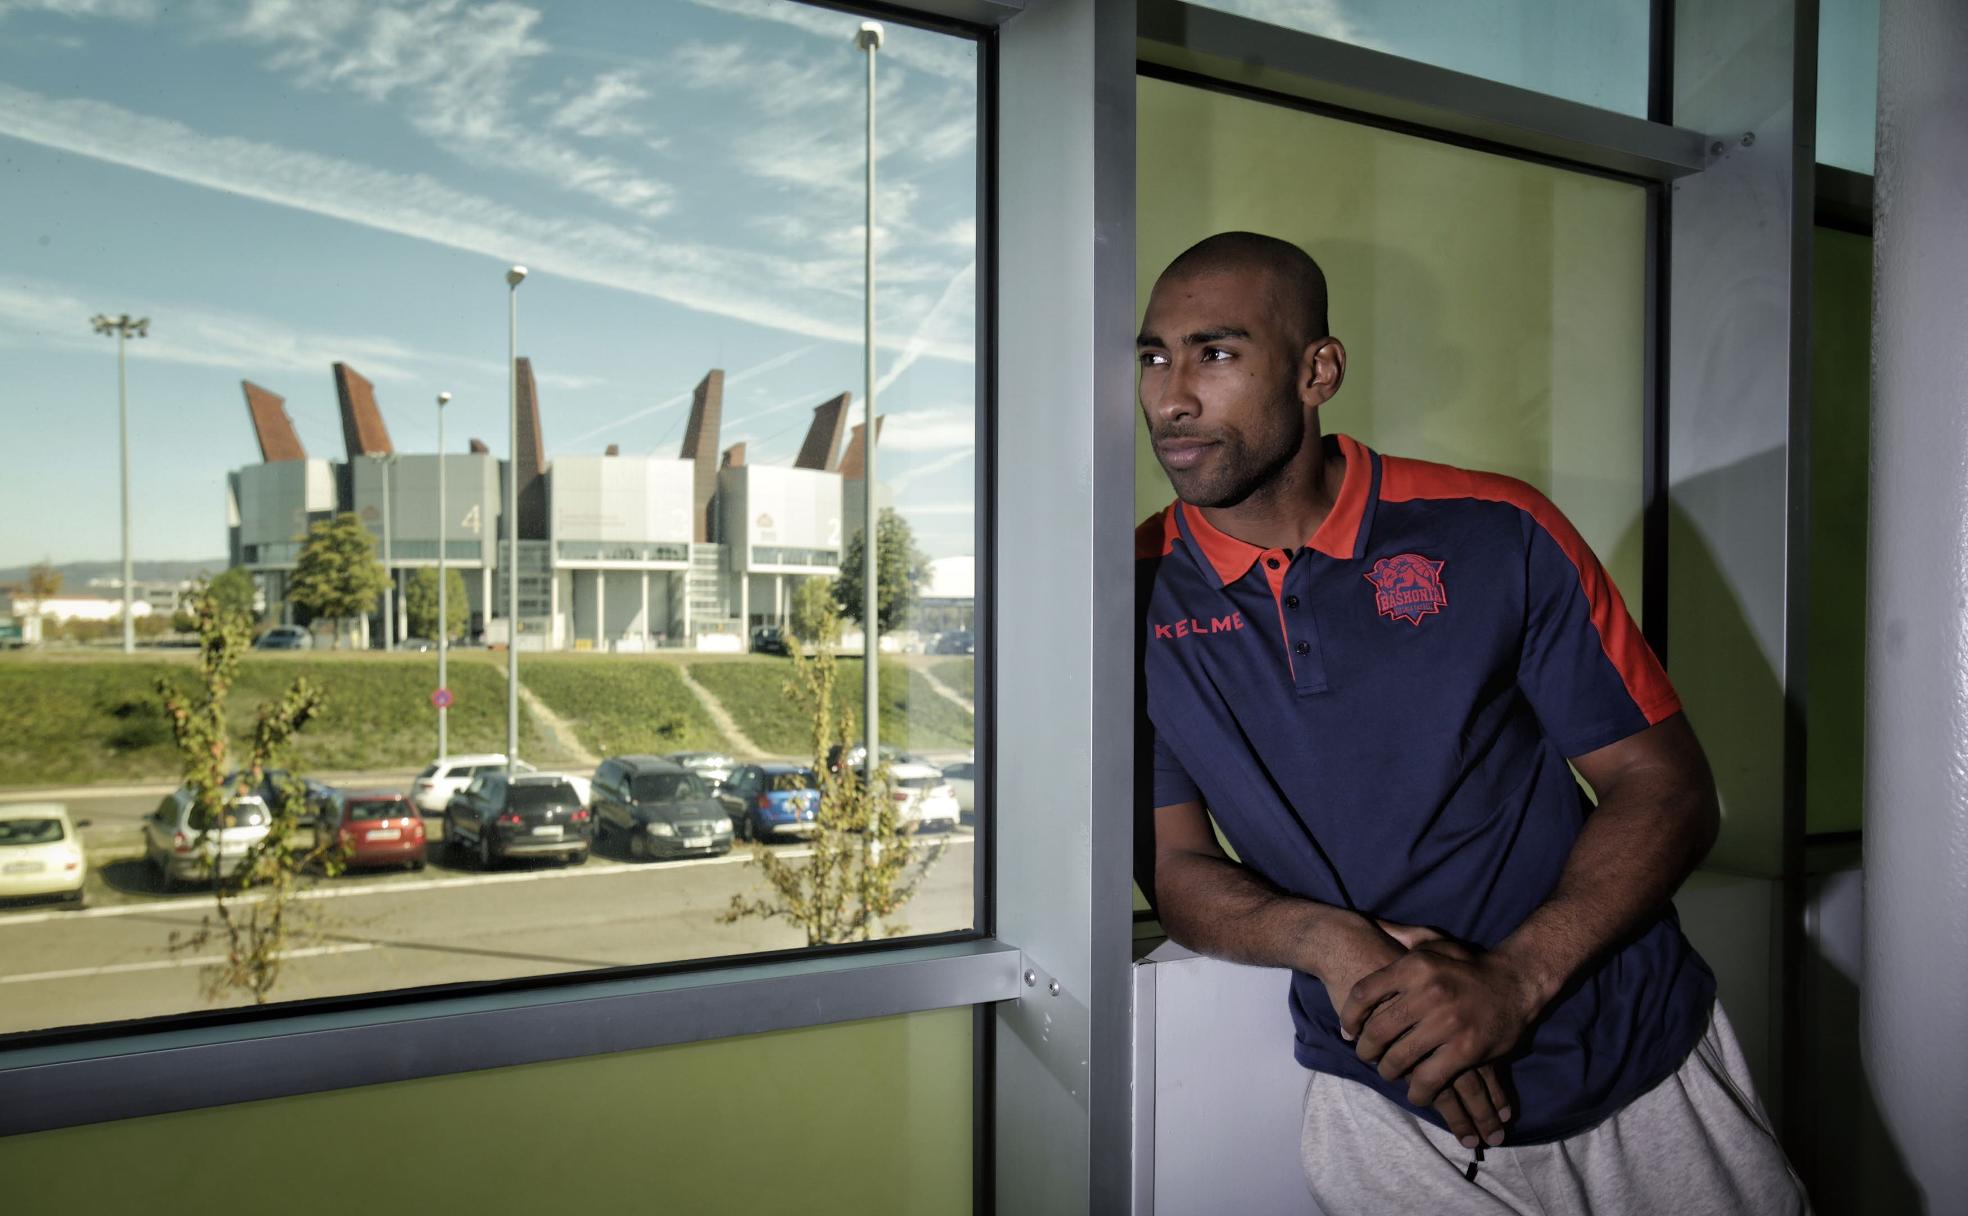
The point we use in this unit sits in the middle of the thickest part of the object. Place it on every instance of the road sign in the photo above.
(441, 697)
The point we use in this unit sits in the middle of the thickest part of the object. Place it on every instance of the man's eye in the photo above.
(1214, 354)
(1152, 358)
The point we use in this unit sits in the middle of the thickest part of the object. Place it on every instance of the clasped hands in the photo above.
(1439, 1014)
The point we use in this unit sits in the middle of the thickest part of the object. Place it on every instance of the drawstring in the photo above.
(1469, 1175)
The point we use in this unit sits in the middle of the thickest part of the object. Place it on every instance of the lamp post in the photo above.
(869, 39)
(122, 326)
(443, 616)
(514, 277)
(384, 463)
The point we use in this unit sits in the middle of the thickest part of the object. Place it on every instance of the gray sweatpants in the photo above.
(1697, 1143)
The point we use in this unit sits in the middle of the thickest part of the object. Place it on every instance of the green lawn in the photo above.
(959, 674)
(620, 704)
(752, 689)
(97, 718)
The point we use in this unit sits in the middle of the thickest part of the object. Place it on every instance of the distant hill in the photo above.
(76, 575)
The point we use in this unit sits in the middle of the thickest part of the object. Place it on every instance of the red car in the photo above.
(376, 828)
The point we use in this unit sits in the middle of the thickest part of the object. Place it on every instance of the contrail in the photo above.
(756, 369)
(919, 341)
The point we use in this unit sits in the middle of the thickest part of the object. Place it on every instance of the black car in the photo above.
(769, 639)
(525, 815)
(958, 641)
(656, 808)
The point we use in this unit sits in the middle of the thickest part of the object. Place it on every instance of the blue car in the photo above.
(771, 800)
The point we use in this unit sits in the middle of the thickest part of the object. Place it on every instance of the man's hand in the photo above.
(1438, 1011)
(1473, 1104)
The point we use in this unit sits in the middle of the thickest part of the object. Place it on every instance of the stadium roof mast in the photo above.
(123, 327)
(869, 39)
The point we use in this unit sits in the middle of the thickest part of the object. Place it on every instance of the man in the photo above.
(1372, 672)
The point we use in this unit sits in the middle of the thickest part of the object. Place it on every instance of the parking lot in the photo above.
(449, 923)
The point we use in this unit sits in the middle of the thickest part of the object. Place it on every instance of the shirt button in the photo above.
(1303, 648)
(1291, 601)
(1272, 562)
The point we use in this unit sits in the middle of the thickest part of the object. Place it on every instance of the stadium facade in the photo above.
(615, 552)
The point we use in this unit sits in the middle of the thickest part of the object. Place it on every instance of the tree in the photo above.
(815, 616)
(44, 583)
(337, 575)
(901, 569)
(260, 932)
(233, 595)
(420, 603)
(863, 865)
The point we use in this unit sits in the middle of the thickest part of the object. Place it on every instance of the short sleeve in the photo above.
(1172, 782)
(1585, 668)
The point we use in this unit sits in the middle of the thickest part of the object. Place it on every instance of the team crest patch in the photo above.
(1407, 587)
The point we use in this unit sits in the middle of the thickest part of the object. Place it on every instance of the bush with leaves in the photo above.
(864, 865)
(901, 572)
(337, 575)
(257, 930)
(420, 603)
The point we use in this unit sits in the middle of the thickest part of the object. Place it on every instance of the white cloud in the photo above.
(599, 113)
(935, 55)
(899, 485)
(932, 430)
(761, 289)
(1327, 18)
(118, 10)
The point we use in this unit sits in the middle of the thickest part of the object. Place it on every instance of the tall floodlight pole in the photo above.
(869, 39)
(513, 278)
(123, 327)
(384, 463)
(443, 604)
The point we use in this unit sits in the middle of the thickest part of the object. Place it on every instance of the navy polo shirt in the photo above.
(1380, 720)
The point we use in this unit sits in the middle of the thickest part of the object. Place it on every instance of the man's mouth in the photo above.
(1183, 452)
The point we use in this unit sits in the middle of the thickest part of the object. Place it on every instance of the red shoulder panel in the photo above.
(1404, 480)
(1155, 536)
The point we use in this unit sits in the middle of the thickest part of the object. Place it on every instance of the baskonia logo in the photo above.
(1408, 587)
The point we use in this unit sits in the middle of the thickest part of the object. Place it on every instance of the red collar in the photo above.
(1338, 533)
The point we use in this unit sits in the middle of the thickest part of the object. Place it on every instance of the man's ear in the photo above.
(1321, 372)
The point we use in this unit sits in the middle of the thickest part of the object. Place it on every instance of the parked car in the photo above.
(714, 767)
(657, 809)
(858, 754)
(375, 828)
(417, 645)
(275, 785)
(532, 815)
(769, 639)
(962, 780)
(41, 852)
(957, 641)
(185, 843)
(768, 800)
(434, 788)
(923, 800)
(285, 637)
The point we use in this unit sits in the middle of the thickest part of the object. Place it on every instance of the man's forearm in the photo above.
(1635, 850)
(1216, 907)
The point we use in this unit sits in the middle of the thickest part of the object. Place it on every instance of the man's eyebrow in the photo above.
(1199, 338)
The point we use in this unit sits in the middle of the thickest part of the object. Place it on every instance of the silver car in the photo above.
(183, 844)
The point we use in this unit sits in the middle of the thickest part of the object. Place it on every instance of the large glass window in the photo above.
(1848, 82)
(315, 213)
(1597, 52)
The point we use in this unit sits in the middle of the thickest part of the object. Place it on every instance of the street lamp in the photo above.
(443, 616)
(869, 39)
(384, 463)
(123, 327)
(514, 277)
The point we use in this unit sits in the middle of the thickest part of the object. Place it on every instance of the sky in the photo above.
(280, 184)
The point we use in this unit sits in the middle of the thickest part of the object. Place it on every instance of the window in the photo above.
(1596, 52)
(1848, 83)
(667, 787)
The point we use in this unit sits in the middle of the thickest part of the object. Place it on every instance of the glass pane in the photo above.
(1841, 397)
(1492, 309)
(1848, 82)
(316, 219)
(1595, 52)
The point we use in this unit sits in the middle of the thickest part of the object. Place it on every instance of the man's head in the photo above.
(1235, 362)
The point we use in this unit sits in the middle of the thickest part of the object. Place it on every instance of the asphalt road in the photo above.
(375, 932)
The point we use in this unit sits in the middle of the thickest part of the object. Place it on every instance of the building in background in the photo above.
(616, 552)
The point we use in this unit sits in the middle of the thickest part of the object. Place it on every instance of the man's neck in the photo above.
(1287, 511)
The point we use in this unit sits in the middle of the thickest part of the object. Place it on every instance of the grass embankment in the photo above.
(82, 719)
(622, 705)
(753, 690)
(959, 674)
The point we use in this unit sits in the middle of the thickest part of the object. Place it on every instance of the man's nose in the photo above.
(1176, 398)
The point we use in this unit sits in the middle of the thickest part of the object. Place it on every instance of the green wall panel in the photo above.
(1841, 394)
(862, 1118)
(1493, 310)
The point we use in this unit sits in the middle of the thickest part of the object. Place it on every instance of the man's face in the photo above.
(1218, 374)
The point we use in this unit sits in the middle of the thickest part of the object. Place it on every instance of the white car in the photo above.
(923, 800)
(962, 780)
(183, 845)
(40, 852)
(433, 789)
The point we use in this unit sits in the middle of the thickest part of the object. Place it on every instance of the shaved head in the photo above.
(1296, 284)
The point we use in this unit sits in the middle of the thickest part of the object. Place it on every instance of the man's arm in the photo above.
(1214, 906)
(1444, 1007)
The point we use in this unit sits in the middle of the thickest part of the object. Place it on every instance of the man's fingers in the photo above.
(1409, 936)
(1450, 1107)
(1385, 1026)
(1482, 1111)
(1366, 994)
(1494, 1086)
(1402, 1054)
